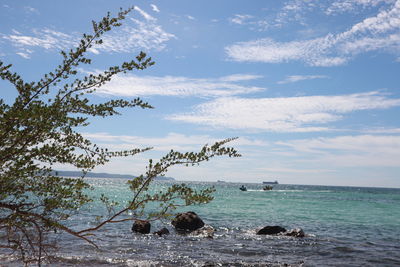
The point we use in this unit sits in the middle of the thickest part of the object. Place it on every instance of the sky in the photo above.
(310, 88)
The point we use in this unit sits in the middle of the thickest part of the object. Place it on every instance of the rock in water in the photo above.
(271, 230)
(163, 231)
(206, 231)
(298, 232)
(187, 222)
(142, 227)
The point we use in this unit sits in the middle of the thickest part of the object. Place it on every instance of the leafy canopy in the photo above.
(39, 129)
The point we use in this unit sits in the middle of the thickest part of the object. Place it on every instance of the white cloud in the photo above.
(341, 6)
(147, 16)
(314, 52)
(384, 21)
(240, 77)
(383, 130)
(297, 78)
(24, 55)
(190, 17)
(155, 8)
(390, 43)
(296, 170)
(294, 10)
(30, 9)
(132, 85)
(146, 35)
(176, 141)
(45, 38)
(349, 151)
(315, 160)
(254, 23)
(240, 19)
(291, 114)
(381, 32)
(162, 145)
(135, 34)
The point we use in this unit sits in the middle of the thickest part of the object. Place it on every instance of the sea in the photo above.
(343, 226)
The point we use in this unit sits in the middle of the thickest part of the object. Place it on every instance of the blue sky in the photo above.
(311, 88)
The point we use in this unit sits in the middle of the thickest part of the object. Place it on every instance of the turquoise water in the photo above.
(344, 226)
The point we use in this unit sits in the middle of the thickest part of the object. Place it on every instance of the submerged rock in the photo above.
(163, 231)
(187, 222)
(271, 230)
(142, 227)
(297, 232)
(205, 231)
(278, 230)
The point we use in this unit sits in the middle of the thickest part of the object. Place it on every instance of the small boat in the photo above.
(243, 188)
(267, 188)
(274, 182)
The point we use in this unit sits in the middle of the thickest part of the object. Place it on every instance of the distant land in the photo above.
(105, 175)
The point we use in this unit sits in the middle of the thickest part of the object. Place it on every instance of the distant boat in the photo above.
(267, 188)
(274, 182)
(243, 188)
(220, 181)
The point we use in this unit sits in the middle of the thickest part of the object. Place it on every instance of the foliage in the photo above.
(39, 129)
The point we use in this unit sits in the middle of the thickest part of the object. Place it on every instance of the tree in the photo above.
(39, 129)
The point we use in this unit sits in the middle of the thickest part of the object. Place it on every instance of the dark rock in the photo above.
(298, 232)
(142, 227)
(187, 222)
(163, 231)
(271, 230)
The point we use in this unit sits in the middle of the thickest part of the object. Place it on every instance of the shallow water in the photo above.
(344, 226)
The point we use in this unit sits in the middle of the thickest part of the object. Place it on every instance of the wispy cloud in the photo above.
(47, 39)
(240, 19)
(155, 8)
(381, 32)
(176, 141)
(296, 170)
(162, 145)
(254, 23)
(296, 10)
(144, 33)
(239, 77)
(314, 52)
(290, 114)
(297, 78)
(383, 130)
(136, 34)
(24, 55)
(341, 6)
(30, 9)
(132, 85)
(350, 151)
(144, 14)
